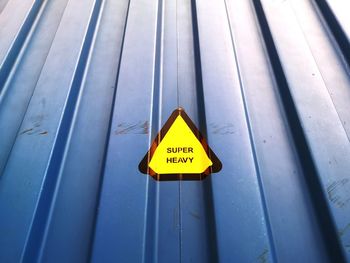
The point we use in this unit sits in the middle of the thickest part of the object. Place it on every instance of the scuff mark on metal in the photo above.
(222, 129)
(339, 192)
(141, 127)
(195, 215)
(27, 131)
(262, 258)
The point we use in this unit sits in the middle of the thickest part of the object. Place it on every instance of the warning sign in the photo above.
(179, 152)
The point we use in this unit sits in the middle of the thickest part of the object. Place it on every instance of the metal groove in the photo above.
(37, 234)
(109, 130)
(330, 95)
(335, 28)
(150, 239)
(315, 186)
(4, 97)
(17, 45)
(208, 186)
(252, 143)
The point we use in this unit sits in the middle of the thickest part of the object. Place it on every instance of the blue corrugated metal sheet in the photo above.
(86, 85)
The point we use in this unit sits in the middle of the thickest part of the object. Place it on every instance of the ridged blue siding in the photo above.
(85, 85)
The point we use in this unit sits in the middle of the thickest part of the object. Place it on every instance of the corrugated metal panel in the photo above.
(86, 86)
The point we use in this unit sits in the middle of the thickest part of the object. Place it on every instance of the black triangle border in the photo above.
(144, 168)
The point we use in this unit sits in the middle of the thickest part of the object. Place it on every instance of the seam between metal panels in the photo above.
(35, 243)
(18, 43)
(323, 80)
(333, 26)
(159, 48)
(108, 134)
(152, 194)
(208, 186)
(180, 223)
(156, 232)
(158, 91)
(177, 54)
(3, 8)
(252, 143)
(159, 52)
(326, 221)
(178, 105)
(31, 95)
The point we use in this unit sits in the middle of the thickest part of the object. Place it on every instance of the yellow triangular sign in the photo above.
(179, 152)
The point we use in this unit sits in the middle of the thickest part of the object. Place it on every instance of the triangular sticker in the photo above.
(179, 152)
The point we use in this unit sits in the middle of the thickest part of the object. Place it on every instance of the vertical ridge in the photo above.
(333, 25)
(150, 239)
(208, 187)
(35, 241)
(252, 143)
(4, 97)
(109, 130)
(19, 41)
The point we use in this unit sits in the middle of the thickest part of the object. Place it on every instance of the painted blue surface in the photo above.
(85, 86)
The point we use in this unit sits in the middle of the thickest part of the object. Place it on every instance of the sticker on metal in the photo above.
(179, 152)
